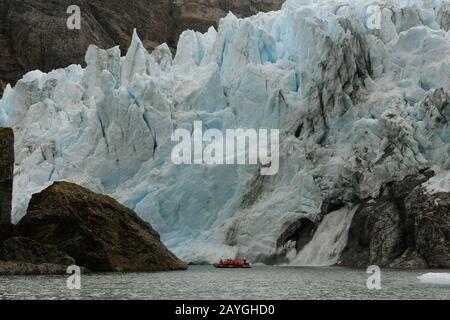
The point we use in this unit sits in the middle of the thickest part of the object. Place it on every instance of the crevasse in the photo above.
(356, 107)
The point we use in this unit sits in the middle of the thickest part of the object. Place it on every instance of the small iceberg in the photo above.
(435, 278)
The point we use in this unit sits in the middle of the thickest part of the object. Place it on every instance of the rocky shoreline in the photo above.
(70, 225)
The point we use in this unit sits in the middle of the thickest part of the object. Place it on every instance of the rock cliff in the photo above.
(406, 227)
(33, 33)
(6, 179)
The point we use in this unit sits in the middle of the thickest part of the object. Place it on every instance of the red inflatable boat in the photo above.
(233, 263)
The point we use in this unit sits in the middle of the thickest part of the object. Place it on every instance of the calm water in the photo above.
(205, 282)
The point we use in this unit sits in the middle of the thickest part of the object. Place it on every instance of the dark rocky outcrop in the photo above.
(295, 235)
(33, 33)
(428, 218)
(406, 227)
(67, 224)
(25, 268)
(199, 15)
(97, 231)
(6, 180)
(29, 251)
(301, 232)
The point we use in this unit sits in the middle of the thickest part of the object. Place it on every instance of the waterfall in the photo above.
(328, 241)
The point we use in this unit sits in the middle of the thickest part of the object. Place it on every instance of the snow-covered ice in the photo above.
(439, 183)
(356, 108)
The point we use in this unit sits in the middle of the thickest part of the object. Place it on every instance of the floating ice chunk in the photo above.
(435, 278)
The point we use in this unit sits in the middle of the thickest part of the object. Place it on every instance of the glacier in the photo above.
(356, 108)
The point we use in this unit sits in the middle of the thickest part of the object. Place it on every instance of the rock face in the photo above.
(98, 232)
(406, 227)
(29, 251)
(6, 179)
(429, 220)
(199, 15)
(25, 268)
(33, 33)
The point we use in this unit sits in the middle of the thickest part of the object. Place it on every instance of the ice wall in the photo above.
(356, 107)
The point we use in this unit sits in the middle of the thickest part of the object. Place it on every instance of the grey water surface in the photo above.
(206, 282)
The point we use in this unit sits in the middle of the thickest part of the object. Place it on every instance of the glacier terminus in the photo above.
(356, 107)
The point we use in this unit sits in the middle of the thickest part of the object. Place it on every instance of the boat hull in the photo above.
(227, 266)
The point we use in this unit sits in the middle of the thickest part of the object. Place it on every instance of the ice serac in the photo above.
(357, 108)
